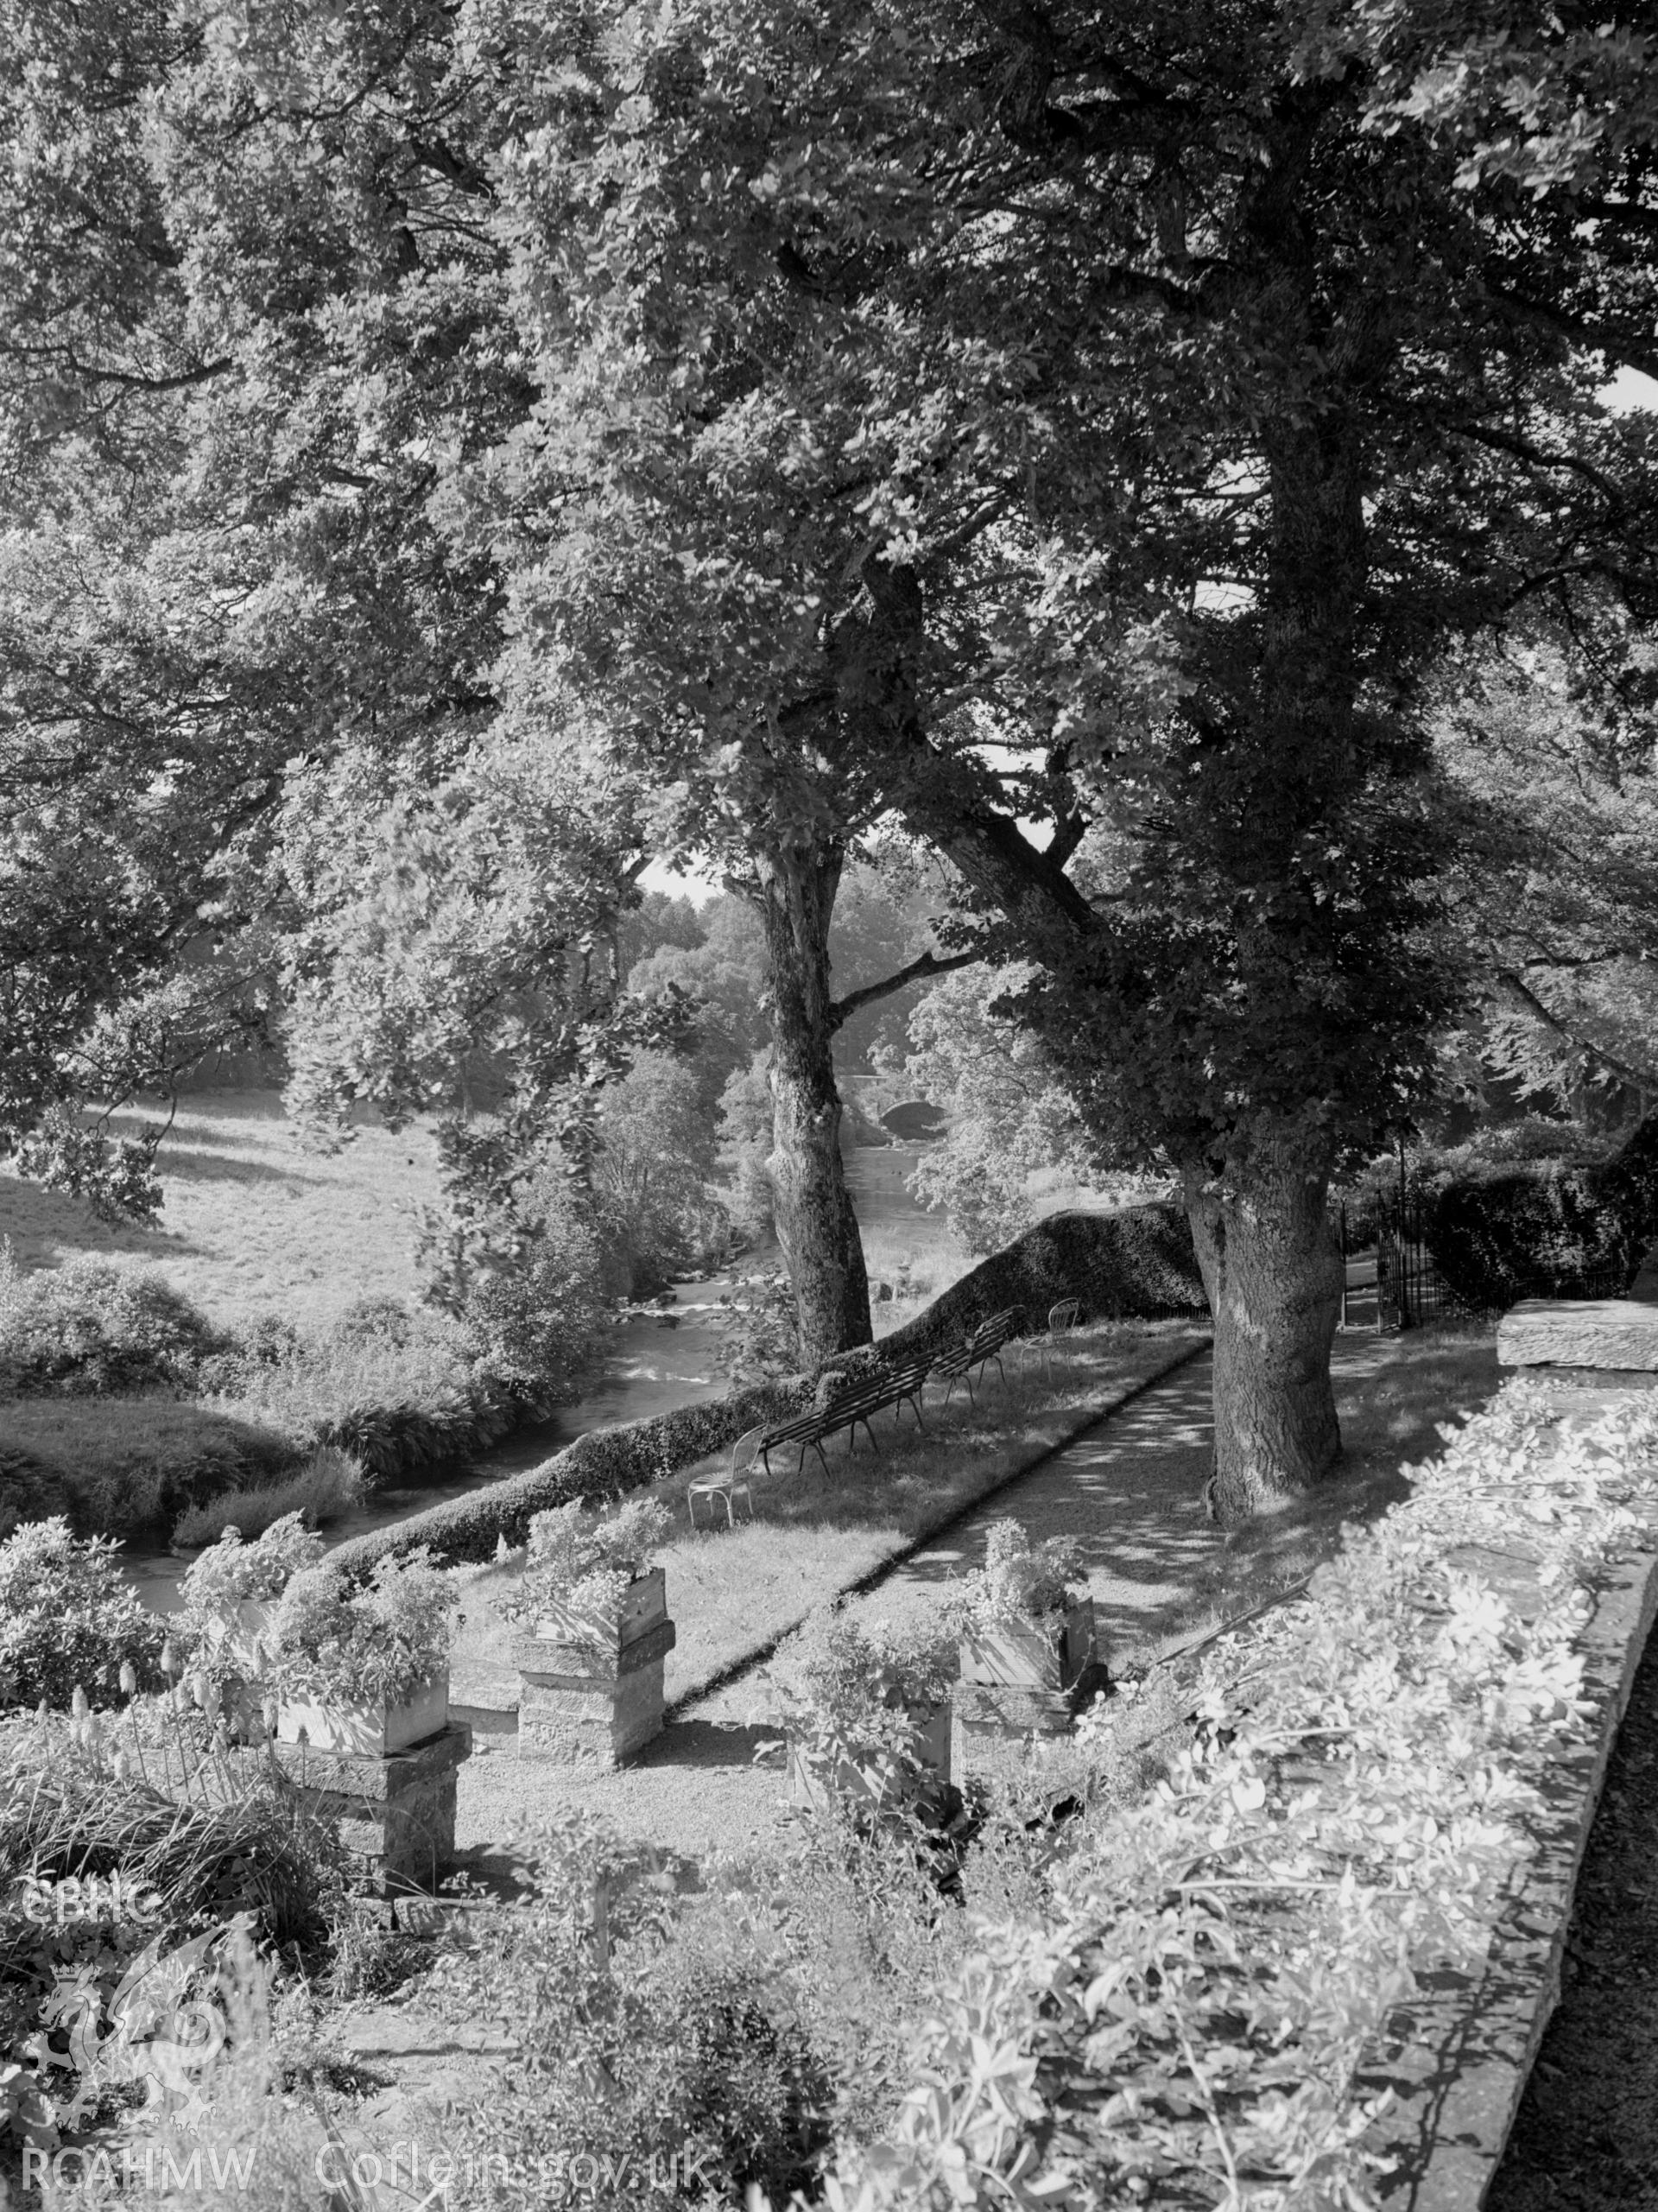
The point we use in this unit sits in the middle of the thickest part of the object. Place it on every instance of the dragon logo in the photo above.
(148, 2030)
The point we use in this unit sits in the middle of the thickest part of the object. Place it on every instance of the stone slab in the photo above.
(1467, 2044)
(358, 1774)
(487, 1719)
(1599, 1332)
(572, 1665)
(589, 1722)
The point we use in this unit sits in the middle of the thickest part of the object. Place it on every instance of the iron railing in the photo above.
(1391, 1280)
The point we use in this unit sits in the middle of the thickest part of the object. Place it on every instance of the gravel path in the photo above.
(1129, 1491)
(1586, 2137)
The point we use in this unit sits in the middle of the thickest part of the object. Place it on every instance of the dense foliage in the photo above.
(454, 454)
(92, 1327)
(1199, 2014)
(376, 1645)
(71, 1624)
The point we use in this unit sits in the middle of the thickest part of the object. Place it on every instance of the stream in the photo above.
(661, 1360)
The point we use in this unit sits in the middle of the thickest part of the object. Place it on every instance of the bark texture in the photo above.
(1273, 1272)
(816, 1225)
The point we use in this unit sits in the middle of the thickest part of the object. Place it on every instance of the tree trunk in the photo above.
(1273, 1272)
(816, 1226)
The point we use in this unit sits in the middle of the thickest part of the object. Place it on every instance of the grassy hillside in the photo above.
(254, 1219)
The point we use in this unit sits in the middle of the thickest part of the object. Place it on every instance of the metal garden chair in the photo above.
(728, 1481)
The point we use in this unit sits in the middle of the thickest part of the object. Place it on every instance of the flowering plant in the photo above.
(584, 1563)
(230, 1573)
(851, 1692)
(376, 1645)
(68, 1617)
(1020, 1582)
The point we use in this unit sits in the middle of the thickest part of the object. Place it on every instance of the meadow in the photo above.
(256, 1218)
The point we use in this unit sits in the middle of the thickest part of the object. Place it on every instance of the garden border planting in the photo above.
(1472, 2039)
(1330, 1906)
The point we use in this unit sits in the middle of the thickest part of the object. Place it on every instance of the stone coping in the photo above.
(365, 1775)
(1468, 2040)
(1621, 1334)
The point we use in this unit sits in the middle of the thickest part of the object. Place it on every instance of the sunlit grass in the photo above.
(254, 1219)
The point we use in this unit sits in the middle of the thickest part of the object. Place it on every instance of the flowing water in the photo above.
(661, 1358)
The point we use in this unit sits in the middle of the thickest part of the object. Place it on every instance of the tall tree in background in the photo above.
(252, 312)
(1164, 391)
(299, 235)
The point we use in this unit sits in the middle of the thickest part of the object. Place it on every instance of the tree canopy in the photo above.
(1087, 436)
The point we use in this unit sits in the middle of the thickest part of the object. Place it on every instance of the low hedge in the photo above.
(604, 1464)
(1560, 1228)
(1138, 1264)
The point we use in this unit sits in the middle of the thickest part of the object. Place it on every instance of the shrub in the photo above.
(855, 1694)
(68, 1620)
(230, 1572)
(29, 1490)
(377, 1643)
(713, 2084)
(1020, 1581)
(330, 1485)
(396, 1394)
(90, 1328)
(584, 1564)
(758, 1336)
(656, 1208)
(1506, 1220)
(541, 1327)
(1330, 1867)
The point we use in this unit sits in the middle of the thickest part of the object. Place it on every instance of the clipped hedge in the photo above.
(604, 1464)
(1135, 1265)
(1138, 1264)
(1557, 1228)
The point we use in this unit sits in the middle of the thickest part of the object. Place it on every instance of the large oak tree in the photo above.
(1164, 391)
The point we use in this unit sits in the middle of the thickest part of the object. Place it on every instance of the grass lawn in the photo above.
(814, 1533)
(814, 1536)
(253, 1220)
(1392, 1392)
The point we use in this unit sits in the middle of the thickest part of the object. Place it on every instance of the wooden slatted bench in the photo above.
(896, 1387)
(981, 1345)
